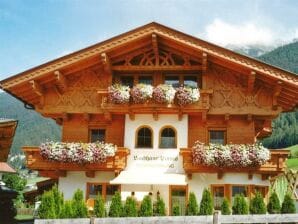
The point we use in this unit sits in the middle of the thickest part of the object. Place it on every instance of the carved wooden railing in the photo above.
(272, 167)
(151, 107)
(34, 161)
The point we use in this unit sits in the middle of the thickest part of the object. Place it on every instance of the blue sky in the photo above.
(35, 31)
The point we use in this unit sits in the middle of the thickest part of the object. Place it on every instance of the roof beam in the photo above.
(37, 88)
(276, 92)
(251, 81)
(155, 48)
(61, 81)
(105, 60)
(204, 62)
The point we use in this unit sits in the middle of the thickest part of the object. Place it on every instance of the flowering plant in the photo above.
(187, 95)
(164, 93)
(77, 152)
(118, 94)
(141, 93)
(241, 155)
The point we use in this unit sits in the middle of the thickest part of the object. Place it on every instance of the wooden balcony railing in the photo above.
(34, 161)
(272, 167)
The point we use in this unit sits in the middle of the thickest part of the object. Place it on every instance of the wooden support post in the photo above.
(106, 64)
(204, 69)
(65, 116)
(276, 92)
(155, 48)
(61, 81)
(251, 81)
(87, 117)
(90, 173)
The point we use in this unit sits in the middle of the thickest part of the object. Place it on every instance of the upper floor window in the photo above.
(217, 137)
(146, 80)
(172, 80)
(97, 135)
(127, 81)
(190, 81)
(167, 138)
(144, 137)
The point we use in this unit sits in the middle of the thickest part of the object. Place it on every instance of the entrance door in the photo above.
(178, 196)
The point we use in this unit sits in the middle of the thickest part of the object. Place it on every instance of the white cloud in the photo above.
(222, 33)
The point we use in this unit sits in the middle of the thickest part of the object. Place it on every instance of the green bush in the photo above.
(225, 207)
(288, 205)
(176, 209)
(146, 207)
(192, 207)
(273, 206)
(206, 205)
(46, 209)
(116, 205)
(78, 205)
(240, 206)
(14, 181)
(66, 211)
(160, 207)
(130, 208)
(59, 199)
(99, 207)
(257, 204)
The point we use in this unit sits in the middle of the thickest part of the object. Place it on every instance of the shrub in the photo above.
(206, 205)
(288, 205)
(240, 206)
(130, 208)
(273, 206)
(257, 205)
(225, 207)
(176, 209)
(46, 209)
(146, 207)
(116, 206)
(66, 211)
(58, 199)
(160, 207)
(192, 207)
(14, 181)
(99, 207)
(78, 205)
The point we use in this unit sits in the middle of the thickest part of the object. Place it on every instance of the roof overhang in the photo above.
(7, 132)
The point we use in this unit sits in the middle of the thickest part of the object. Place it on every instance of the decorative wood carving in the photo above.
(276, 93)
(90, 173)
(37, 88)
(251, 82)
(106, 64)
(62, 82)
(155, 48)
(65, 116)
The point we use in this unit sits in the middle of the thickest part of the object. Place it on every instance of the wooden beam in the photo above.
(87, 117)
(276, 92)
(137, 68)
(131, 115)
(180, 115)
(189, 176)
(37, 88)
(106, 64)
(155, 48)
(204, 116)
(155, 115)
(204, 62)
(61, 81)
(65, 116)
(107, 115)
(220, 175)
(90, 173)
(250, 175)
(227, 117)
(61, 173)
(59, 121)
(249, 117)
(251, 81)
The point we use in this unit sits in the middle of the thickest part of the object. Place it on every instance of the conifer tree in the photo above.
(78, 205)
(225, 207)
(130, 208)
(273, 206)
(146, 208)
(206, 205)
(176, 209)
(99, 207)
(66, 211)
(116, 209)
(192, 207)
(257, 204)
(288, 205)
(160, 207)
(240, 206)
(59, 199)
(46, 209)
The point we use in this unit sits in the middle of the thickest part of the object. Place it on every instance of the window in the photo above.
(94, 190)
(172, 80)
(218, 196)
(97, 135)
(217, 137)
(104, 189)
(239, 190)
(261, 189)
(190, 81)
(144, 137)
(127, 81)
(146, 80)
(167, 138)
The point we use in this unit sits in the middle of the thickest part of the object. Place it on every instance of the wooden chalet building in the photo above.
(239, 98)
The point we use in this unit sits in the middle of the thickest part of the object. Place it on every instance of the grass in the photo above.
(23, 217)
(292, 163)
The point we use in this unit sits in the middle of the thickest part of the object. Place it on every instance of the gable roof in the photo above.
(281, 76)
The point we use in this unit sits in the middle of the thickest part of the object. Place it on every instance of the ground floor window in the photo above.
(178, 196)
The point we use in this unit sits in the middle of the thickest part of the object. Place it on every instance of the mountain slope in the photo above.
(32, 127)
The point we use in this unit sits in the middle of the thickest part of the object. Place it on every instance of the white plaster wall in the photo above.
(205, 180)
(78, 180)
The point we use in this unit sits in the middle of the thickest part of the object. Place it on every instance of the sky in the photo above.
(35, 31)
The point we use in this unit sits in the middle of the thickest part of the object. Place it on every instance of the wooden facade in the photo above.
(239, 95)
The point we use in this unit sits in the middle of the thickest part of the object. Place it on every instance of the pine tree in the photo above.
(176, 209)
(78, 205)
(146, 207)
(273, 206)
(192, 207)
(288, 205)
(160, 207)
(225, 207)
(116, 206)
(99, 207)
(240, 206)
(257, 204)
(46, 209)
(59, 199)
(66, 211)
(206, 205)
(130, 208)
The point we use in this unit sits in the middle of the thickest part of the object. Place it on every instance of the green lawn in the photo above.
(293, 162)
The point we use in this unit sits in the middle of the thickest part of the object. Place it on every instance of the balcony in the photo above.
(34, 161)
(275, 165)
